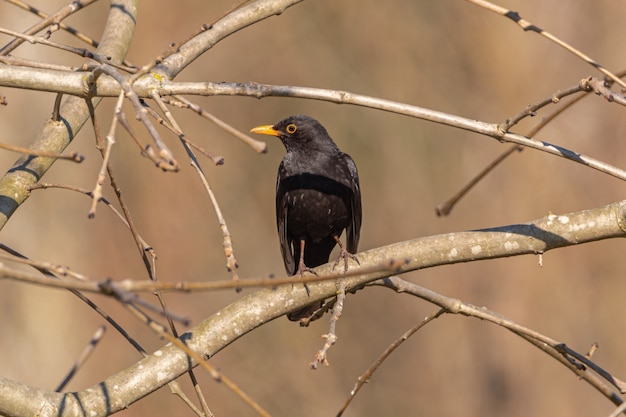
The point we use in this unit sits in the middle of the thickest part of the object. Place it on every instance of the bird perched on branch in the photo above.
(317, 198)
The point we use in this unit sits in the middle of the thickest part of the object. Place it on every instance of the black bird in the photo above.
(317, 197)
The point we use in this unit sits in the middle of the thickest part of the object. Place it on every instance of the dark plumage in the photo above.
(317, 198)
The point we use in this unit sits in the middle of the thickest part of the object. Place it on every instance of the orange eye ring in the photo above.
(291, 128)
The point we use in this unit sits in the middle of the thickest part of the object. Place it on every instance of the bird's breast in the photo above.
(314, 215)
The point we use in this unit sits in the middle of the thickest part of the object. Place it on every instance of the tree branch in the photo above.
(56, 135)
(232, 322)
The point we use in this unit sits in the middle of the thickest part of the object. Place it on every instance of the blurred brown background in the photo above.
(446, 55)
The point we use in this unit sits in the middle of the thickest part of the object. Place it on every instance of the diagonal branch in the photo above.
(56, 135)
(534, 238)
(528, 26)
(260, 307)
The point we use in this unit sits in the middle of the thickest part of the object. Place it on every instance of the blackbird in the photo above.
(317, 197)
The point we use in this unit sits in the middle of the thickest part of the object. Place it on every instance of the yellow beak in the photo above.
(265, 130)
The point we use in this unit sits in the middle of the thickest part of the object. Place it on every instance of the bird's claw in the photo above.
(344, 254)
(302, 268)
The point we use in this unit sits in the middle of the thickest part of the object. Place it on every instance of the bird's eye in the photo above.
(291, 128)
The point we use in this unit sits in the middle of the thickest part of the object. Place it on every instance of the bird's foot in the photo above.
(312, 311)
(345, 255)
(302, 268)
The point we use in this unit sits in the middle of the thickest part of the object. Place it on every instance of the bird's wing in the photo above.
(286, 244)
(353, 231)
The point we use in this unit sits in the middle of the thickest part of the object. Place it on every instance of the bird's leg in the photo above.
(344, 254)
(302, 268)
(310, 312)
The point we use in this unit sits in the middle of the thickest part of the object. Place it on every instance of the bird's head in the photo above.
(299, 132)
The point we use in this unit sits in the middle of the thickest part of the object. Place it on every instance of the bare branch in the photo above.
(321, 357)
(257, 145)
(56, 135)
(87, 351)
(231, 261)
(363, 379)
(55, 18)
(72, 156)
(251, 311)
(537, 237)
(85, 53)
(527, 26)
(568, 357)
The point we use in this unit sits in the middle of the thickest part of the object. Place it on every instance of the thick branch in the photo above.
(537, 237)
(233, 22)
(56, 135)
(256, 309)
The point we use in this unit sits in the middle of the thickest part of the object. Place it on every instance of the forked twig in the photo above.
(587, 85)
(164, 158)
(217, 159)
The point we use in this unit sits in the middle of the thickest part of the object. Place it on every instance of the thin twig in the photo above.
(85, 53)
(619, 410)
(43, 185)
(146, 251)
(602, 88)
(72, 156)
(446, 207)
(367, 375)
(531, 109)
(82, 358)
(177, 390)
(217, 159)
(165, 159)
(215, 374)
(54, 18)
(50, 268)
(574, 359)
(528, 26)
(331, 337)
(231, 261)
(25, 62)
(51, 274)
(106, 155)
(344, 97)
(133, 286)
(257, 145)
(174, 127)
